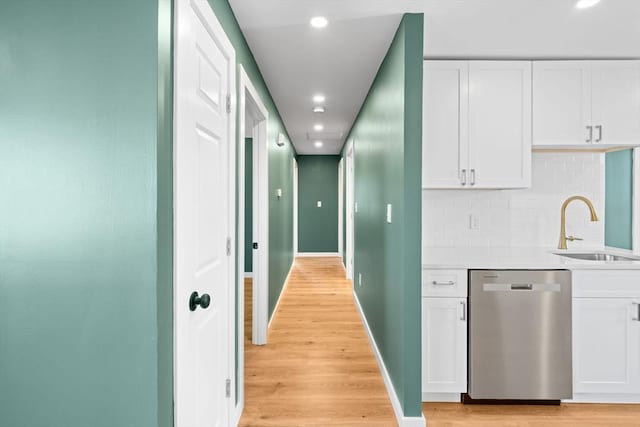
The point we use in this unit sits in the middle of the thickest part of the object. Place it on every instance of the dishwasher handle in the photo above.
(522, 287)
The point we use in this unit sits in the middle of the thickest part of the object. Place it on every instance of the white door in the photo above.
(444, 124)
(444, 345)
(499, 124)
(606, 346)
(295, 207)
(350, 209)
(340, 207)
(203, 221)
(616, 102)
(562, 103)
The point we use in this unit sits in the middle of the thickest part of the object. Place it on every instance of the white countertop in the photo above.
(520, 258)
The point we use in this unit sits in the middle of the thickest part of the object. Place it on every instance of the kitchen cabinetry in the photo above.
(586, 104)
(606, 336)
(444, 335)
(477, 124)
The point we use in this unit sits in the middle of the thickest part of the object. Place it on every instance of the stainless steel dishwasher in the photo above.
(520, 334)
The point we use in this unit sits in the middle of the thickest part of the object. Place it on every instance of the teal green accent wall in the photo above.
(387, 138)
(619, 199)
(85, 141)
(318, 181)
(280, 163)
(248, 206)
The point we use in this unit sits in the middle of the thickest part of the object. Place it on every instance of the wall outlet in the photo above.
(359, 279)
(389, 211)
(319, 203)
(474, 222)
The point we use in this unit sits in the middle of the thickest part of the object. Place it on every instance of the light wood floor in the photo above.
(565, 415)
(317, 368)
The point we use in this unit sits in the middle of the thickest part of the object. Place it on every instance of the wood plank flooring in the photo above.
(317, 368)
(565, 415)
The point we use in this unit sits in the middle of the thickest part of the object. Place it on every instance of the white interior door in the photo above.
(444, 124)
(340, 208)
(616, 102)
(204, 217)
(350, 209)
(295, 207)
(562, 103)
(499, 124)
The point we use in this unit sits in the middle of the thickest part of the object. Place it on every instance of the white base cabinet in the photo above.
(444, 335)
(606, 336)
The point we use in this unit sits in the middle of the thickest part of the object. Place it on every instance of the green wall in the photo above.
(318, 180)
(82, 88)
(387, 138)
(248, 206)
(619, 199)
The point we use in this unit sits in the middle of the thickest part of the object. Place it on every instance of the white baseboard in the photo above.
(238, 413)
(248, 275)
(284, 286)
(604, 398)
(441, 397)
(395, 402)
(317, 254)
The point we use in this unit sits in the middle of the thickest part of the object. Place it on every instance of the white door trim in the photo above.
(249, 99)
(636, 200)
(217, 32)
(340, 208)
(295, 207)
(350, 202)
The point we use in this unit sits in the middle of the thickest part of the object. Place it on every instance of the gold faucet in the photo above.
(563, 219)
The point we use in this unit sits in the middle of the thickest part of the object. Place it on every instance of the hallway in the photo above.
(318, 368)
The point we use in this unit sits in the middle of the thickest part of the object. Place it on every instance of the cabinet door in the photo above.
(444, 118)
(606, 346)
(616, 102)
(562, 103)
(500, 124)
(444, 345)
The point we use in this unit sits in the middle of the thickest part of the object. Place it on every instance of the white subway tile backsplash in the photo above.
(521, 218)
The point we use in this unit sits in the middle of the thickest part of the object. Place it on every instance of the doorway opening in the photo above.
(253, 225)
(350, 209)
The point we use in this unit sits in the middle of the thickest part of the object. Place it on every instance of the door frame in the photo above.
(225, 44)
(295, 207)
(636, 201)
(340, 208)
(350, 204)
(249, 99)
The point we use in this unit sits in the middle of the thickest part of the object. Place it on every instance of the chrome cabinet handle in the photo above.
(599, 128)
(449, 283)
(590, 129)
(464, 311)
(637, 319)
(464, 177)
(473, 177)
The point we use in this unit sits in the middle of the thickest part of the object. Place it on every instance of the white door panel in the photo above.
(203, 216)
(499, 124)
(562, 103)
(444, 121)
(616, 102)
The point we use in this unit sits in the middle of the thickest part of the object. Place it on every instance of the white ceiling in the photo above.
(341, 60)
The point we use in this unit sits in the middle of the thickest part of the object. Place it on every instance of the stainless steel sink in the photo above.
(598, 256)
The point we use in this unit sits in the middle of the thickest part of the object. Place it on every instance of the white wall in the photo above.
(521, 218)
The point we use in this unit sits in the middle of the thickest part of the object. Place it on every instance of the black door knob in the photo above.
(195, 301)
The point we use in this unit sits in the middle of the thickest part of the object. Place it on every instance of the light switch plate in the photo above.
(389, 211)
(319, 203)
(279, 192)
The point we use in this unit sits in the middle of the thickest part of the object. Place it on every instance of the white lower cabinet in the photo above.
(444, 335)
(606, 339)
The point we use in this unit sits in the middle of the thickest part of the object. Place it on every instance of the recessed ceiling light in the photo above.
(584, 4)
(318, 98)
(318, 144)
(318, 127)
(318, 109)
(318, 22)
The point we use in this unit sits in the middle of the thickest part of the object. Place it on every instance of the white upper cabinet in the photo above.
(444, 114)
(476, 124)
(500, 124)
(561, 103)
(586, 104)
